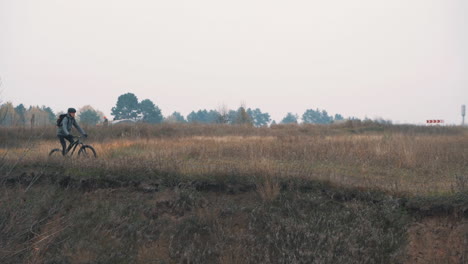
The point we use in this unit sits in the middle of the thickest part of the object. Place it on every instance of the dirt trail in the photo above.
(438, 240)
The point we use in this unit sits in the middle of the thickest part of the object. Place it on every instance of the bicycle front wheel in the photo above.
(87, 151)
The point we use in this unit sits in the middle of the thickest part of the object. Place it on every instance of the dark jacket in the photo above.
(67, 123)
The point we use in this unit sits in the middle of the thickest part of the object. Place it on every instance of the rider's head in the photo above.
(72, 111)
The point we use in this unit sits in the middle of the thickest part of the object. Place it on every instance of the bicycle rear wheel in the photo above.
(55, 153)
(87, 151)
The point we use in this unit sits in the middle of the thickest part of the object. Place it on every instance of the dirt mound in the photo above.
(227, 222)
(438, 240)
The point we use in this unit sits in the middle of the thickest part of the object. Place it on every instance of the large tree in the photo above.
(127, 107)
(151, 113)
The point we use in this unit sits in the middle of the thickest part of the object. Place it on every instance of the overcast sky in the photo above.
(404, 60)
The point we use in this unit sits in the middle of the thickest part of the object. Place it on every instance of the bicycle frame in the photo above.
(73, 146)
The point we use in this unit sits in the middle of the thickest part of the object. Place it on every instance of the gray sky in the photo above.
(404, 60)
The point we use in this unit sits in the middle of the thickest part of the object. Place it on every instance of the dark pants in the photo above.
(64, 144)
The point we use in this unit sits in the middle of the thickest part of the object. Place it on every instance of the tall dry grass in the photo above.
(413, 160)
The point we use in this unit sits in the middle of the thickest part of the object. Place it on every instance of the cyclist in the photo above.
(64, 129)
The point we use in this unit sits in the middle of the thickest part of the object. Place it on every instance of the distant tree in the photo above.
(89, 107)
(259, 118)
(326, 119)
(383, 121)
(249, 116)
(175, 117)
(8, 115)
(21, 112)
(367, 120)
(204, 116)
(51, 114)
(89, 117)
(232, 116)
(243, 118)
(127, 107)
(353, 118)
(223, 114)
(316, 117)
(289, 119)
(338, 117)
(311, 116)
(36, 116)
(150, 112)
(213, 117)
(179, 118)
(192, 117)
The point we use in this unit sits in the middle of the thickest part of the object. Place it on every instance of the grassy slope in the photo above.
(286, 195)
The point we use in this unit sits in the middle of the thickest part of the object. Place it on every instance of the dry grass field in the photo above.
(346, 193)
(411, 162)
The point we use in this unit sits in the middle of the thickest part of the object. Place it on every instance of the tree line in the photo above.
(128, 107)
(43, 115)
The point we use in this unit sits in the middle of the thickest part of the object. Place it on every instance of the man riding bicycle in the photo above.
(65, 126)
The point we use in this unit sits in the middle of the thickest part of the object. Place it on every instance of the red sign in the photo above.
(435, 121)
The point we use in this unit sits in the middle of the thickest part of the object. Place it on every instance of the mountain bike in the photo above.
(83, 151)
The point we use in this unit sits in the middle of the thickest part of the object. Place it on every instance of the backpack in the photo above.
(60, 119)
